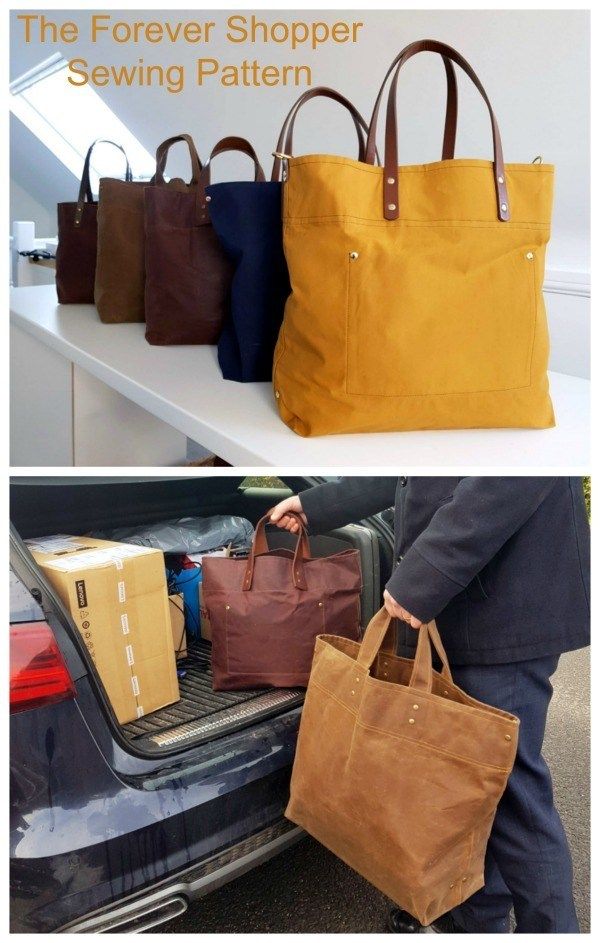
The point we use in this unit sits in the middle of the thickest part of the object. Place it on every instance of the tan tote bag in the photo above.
(416, 297)
(120, 263)
(397, 771)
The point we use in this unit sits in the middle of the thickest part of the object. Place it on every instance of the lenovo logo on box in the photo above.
(81, 594)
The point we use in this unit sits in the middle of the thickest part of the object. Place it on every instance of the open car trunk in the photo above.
(40, 507)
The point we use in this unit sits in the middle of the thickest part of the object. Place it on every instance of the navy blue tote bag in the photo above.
(247, 219)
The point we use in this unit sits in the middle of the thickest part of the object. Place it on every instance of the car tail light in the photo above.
(38, 674)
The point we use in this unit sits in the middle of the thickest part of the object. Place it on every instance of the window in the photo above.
(67, 119)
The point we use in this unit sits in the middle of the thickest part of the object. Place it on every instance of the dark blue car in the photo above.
(117, 828)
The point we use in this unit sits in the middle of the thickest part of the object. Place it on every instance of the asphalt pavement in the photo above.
(308, 890)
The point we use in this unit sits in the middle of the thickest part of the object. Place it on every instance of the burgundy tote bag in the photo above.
(266, 611)
(188, 273)
(78, 238)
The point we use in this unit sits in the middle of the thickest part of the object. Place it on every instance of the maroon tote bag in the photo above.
(188, 273)
(266, 611)
(78, 238)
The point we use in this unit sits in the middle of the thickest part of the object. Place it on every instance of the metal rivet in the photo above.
(229, 607)
(352, 692)
(354, 255)
(452, 885)
(503, 207)
(358, 678)
(415, 707)
(284, 176)
(529, 256)
(276, 394)
(391, 206)
(320, 605)
(464, 880)
(208, 199)
(507, 736)
(500, 179)
(411, 720)
(391, 180)
(445, 694)
(385, 674)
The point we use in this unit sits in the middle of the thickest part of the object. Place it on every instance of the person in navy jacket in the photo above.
(502, 565)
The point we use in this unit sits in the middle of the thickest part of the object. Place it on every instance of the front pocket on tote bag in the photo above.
(442, 327)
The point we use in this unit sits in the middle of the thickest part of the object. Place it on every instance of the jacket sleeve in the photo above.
(462, 537)
(336, 503)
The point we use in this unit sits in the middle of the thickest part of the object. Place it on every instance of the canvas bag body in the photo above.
(120, 263)
(266, 612)
(77, 239)
(247, 219)
(397, 771)
(427, 316)
(188, 273)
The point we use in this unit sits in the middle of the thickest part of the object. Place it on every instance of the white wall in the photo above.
(534, 65)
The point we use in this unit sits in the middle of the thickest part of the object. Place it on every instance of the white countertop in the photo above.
(183, 387)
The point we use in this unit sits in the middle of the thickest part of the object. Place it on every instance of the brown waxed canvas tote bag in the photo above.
(120, 264)
(416, 296)
(397, 771)
(266, 612)
(188, 273)
(77, 239)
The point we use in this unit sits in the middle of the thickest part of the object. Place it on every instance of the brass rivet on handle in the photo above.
(500, 179)
(321, 606)
(445, 694)
(353, 255)
(276, 394)
(391, 180)
(208, 199)
(503, 207)
(228, 607)
(507, 736)
(415, 707)
(529, 256)
(392, 206)
(453, 885)
(411, 720)
(352, 692)
(464, 880)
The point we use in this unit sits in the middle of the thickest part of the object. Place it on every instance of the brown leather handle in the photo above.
(422, 673)
(390, 177)
(259, 546)
(380, 636)
(233, 143)
(285, 140)
(162, 152)
(85, 187)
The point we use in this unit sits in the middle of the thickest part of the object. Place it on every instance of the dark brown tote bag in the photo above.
(188, 273)
(266, 612)
(77, 239)
(398, 771)
(120, 265)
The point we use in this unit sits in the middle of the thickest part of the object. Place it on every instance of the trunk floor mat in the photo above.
(202, 713)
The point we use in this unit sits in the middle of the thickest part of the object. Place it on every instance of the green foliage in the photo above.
(587, 491)
(262, 482)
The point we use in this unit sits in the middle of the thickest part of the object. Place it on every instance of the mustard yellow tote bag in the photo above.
(416, 296)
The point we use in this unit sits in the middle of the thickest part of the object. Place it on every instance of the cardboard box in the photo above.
(177, 612)
(117, 596)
